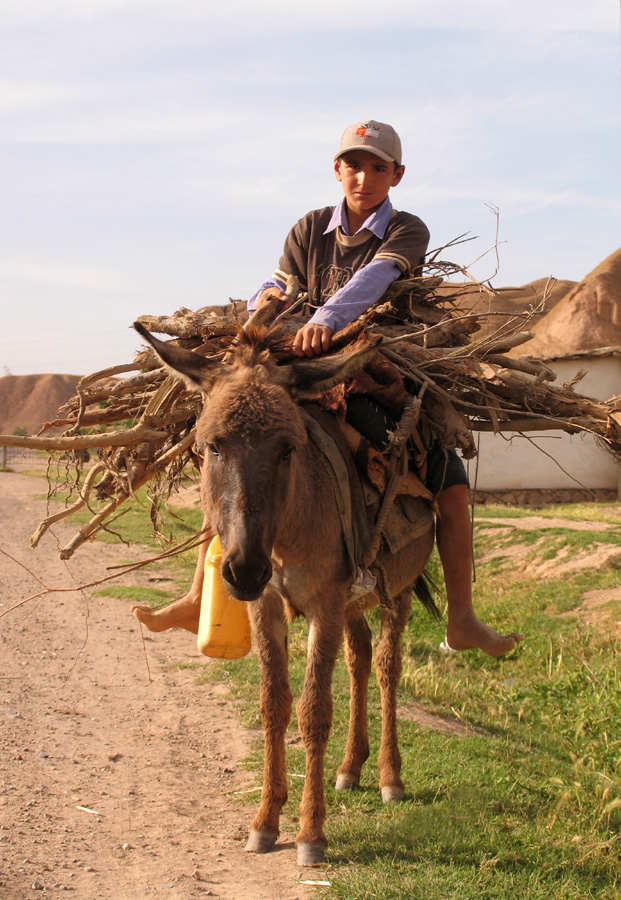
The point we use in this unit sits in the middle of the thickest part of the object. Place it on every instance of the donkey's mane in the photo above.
(253, 397)
(256, 343)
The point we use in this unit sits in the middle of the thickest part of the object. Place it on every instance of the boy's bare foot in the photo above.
(469, 632)
(183, 613)
(186, 611)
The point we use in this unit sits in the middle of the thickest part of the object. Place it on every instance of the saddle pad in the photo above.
(409, 518)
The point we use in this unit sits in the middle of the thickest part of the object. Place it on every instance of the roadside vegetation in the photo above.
(514, 789)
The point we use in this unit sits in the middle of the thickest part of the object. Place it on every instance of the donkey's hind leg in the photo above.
(358, 655)
(388, 671)
(270, 632)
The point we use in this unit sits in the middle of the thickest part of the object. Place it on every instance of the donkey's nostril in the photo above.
(226, 572)
(246, 578)
(266, 574)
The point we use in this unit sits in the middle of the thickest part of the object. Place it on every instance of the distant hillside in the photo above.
(508, 301)
(587, 318)
(28, 401)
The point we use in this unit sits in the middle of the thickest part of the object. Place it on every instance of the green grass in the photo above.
(153, 597)
(32, 473)
(583, 512)
(136, 522)
(528, 803)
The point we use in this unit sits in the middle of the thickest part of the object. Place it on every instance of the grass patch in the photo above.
(153, 597)
(136, 523)
(528, 803)
(30, 472)
(575, 512)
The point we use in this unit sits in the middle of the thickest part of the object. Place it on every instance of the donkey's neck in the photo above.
(310, 528)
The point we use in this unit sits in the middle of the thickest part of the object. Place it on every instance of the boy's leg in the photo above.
(453, 536)
(184, 612)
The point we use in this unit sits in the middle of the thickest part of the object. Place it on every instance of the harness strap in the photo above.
(338, 462)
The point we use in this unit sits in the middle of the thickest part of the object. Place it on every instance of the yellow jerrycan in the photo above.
(224, 626)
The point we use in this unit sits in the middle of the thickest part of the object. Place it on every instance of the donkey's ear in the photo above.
(195, 370)
(308, 378)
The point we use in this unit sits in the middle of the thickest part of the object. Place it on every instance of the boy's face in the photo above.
(366, 180)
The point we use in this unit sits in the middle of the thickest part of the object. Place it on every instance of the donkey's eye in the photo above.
(286, 455)
(212, 450)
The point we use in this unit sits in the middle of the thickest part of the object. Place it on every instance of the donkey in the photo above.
(266, 491)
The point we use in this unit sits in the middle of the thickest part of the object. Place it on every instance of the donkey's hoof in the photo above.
(260, 841)
(345, 782)
(311, 854)
(392, 793)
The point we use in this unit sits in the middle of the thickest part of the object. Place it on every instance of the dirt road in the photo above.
(117, 772)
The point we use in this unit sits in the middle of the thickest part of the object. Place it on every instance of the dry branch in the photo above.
(464, 382)
(128, 438)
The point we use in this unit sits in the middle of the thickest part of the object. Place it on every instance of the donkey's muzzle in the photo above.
(245, 579)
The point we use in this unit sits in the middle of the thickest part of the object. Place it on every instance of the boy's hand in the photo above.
(270, 292)
(312, 340)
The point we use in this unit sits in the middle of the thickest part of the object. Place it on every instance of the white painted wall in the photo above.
(511, 462)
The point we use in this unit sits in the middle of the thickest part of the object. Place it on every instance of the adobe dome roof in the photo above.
(586, 318)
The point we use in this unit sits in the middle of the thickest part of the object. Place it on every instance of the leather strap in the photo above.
(324, 431)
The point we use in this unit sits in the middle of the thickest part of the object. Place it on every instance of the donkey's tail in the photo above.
(425, 588)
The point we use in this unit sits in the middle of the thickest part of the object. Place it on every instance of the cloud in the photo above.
(18, 95)
(142, 72)
(515, 200)
(65, 275)
(553, 15)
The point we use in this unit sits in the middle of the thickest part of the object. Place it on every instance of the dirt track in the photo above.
(113, 786)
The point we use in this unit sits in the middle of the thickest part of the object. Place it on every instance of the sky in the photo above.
(154, 153)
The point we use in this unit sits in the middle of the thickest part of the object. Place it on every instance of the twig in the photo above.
(144, 650)
(136, 435)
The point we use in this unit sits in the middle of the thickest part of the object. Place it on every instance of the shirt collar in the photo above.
(377, 221)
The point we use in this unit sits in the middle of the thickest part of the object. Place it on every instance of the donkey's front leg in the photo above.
(388, 671)
(315, 719)
(270, 633)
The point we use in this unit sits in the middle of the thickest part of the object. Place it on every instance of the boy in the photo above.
(345, 257)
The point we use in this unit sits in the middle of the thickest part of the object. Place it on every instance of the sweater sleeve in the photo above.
(405, 243)
(363, 289)
(271, 282)
(294, 259)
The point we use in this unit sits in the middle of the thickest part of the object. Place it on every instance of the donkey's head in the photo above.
(251, 432)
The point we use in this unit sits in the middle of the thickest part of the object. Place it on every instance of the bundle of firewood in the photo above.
(140, 421)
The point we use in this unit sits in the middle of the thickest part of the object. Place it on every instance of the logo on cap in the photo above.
(367, 131)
